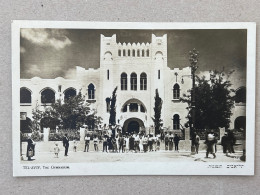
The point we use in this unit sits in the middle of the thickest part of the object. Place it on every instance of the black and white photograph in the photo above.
(100, 98)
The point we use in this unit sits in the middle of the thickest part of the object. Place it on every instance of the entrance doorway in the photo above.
(132, 125)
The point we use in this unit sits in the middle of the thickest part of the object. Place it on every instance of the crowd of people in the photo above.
(141, 142)
(135, 142)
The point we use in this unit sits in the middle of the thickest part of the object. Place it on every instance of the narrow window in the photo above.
(124, 52)
(159, 74)
(176, 91)
(143, 81)
(119, 52)
(107, 74)
(142, 53)
(91, 92)
(138, 53)
(133, 53)
(147, 53)
(129, 52)
(176, 122)
(133, 81)
(123, 81)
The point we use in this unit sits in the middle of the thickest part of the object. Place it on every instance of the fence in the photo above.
(239, 134)
(202, 133)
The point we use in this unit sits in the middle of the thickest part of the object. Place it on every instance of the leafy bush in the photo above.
(73, 134)
(36, 136)
(24, 137)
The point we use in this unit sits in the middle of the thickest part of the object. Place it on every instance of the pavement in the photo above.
(44, 154)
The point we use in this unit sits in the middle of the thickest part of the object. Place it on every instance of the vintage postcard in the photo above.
(101, 98)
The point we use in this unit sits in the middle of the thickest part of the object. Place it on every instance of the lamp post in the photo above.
(194, 56)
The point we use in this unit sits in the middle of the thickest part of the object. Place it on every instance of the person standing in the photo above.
(155, 142)
(197, 143)
(105, 143)
(56, 150)
(30, 148)
(121, 143)
(95, 140)
(224, 142)
(166, 141)
(136, 143)
(158, 142)
(210, 142)
(66, 144)
(75, 144)
(232, 139)
(171, 142)
(150, 142)
(126, 143)
(109, 144)
(176, 140)
(87, 141)
(145, 142)
(131, 143)
(141, 143)
(114, 145)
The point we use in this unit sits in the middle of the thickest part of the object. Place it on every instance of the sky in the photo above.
(51, 53)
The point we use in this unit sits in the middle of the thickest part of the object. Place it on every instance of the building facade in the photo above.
(137, 69)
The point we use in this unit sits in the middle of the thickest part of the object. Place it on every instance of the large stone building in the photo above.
(137, 69)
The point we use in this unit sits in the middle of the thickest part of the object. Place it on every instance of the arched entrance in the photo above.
(240, 123)
(132, 125)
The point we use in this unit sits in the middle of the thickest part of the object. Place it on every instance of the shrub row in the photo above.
(72, 135)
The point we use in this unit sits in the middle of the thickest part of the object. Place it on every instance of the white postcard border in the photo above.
(137, 168)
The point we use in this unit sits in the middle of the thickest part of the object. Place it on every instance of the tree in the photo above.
(112, 118)
(157, 112)
(37, 115)
(73, 113)
(214, 101)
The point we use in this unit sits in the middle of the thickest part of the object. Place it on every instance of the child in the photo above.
(56, 150)
(75, 144)
(95, 140)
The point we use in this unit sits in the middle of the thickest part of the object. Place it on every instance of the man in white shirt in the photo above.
(87, 141)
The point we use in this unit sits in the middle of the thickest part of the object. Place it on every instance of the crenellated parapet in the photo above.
(134, 49)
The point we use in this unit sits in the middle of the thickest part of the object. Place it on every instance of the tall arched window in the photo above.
(129, 52)
(91, 91)
(142, 53)
(25, 95)
(69, 93)
(133, 53)
(119, 52)
(124, 52)
(123, 81)
(176, 122)
(138, 53)
(143, 81)
(147, 53)
(47, 96)
(240, 95)
(133, 81)
(176, 91)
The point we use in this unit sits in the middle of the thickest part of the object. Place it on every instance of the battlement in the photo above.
(134, 49)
